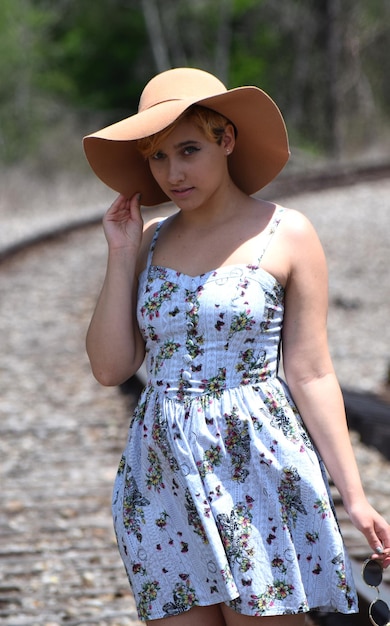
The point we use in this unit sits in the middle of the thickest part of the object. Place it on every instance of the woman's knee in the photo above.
(222, 615)
(232, 618)
(197, 616)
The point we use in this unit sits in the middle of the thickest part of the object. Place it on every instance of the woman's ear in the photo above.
(229, 139)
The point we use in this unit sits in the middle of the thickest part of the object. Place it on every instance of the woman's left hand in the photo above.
(375, 529)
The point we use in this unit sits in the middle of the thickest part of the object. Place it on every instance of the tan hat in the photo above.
(260, 152)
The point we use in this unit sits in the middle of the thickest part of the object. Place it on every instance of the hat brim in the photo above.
(261, 150)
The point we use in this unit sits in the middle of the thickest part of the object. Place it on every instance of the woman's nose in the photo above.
(175, 172)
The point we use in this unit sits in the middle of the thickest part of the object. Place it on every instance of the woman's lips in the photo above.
(182, 193)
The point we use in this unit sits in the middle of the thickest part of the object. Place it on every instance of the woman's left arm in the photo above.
(311, 377)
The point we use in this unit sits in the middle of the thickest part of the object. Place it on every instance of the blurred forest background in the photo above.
(68, 67)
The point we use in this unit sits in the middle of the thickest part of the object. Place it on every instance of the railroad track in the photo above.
(286, 185)
(61, 436)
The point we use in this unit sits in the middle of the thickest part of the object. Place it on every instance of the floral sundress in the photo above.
(220, 495)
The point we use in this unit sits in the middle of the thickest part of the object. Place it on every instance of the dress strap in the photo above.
(153, 243)
(270, 231)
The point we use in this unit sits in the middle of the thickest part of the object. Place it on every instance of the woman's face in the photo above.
(190, 169)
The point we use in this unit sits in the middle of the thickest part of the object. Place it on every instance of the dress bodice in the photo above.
(218, 330)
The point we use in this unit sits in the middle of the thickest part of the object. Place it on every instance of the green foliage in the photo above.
(23, 30)
(326, 62)
(254, 46)
(96, 55)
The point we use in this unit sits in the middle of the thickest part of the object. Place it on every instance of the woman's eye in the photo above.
(190, 150)
(157, 156)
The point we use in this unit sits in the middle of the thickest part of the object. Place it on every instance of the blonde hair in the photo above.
(212, 124)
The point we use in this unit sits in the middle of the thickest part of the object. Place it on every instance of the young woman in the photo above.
(221, 503)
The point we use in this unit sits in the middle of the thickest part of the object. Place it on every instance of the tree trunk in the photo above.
(224, 37)
(156, 35)
(333, 49)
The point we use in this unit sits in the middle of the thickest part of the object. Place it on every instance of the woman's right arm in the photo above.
(114, 344)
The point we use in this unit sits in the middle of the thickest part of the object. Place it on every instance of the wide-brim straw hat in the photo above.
(261, 149)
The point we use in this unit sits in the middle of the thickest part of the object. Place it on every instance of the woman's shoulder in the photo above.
(293, 218)
(297, 243)
(295, 225)
(149, 231)
(301, 245)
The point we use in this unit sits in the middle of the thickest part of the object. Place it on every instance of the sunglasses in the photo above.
(378, 611)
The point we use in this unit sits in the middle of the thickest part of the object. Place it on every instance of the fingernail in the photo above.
(379, 550)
